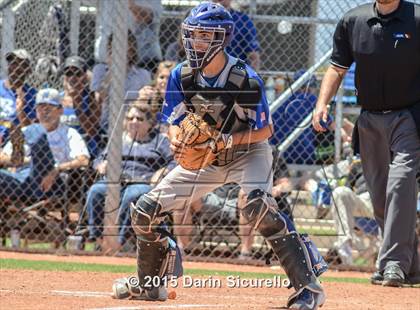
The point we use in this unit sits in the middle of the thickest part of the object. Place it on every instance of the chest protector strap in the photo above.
(231, 122)
(234, 82)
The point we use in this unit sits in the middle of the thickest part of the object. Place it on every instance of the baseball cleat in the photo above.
(377, 278)
(307, 300)
(129, 288)
(393, 276)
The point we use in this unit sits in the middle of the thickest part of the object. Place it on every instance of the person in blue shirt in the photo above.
(289, 116)
(230, 97)
(17, 98)
(244, 44)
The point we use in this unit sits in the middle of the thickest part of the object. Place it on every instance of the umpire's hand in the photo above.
(320, 117)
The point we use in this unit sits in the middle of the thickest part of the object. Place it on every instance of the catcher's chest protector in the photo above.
(217, 106)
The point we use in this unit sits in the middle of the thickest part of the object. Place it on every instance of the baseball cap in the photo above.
(49, 96)
(75, 61)
(20, 54)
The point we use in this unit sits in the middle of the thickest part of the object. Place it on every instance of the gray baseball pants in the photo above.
(181, 187)
(390, 153)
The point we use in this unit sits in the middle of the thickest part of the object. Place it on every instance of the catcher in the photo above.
(219, 124)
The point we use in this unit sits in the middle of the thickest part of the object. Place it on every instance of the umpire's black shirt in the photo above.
(386, 49)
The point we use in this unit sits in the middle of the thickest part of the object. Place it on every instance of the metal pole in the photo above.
(74, 27)
(99, 10)
(295, 134)
(118, 76)
(103, 28)
(7, 37)
(270, 19)
(253, 7)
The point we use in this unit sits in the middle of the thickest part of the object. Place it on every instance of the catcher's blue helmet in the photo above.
(210, 18)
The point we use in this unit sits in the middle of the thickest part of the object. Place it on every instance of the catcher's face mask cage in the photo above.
(202, 44)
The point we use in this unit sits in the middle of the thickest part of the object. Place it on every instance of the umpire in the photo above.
(383, 39)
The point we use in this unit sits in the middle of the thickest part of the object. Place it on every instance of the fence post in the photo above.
(118, 76)
(7, 37)
(74, 27)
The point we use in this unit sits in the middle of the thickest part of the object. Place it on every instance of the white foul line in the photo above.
(81, 293)
(181, 306)
(106, 294)
(5, 291)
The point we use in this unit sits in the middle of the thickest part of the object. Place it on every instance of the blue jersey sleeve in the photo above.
(261, 117)
(173, 107)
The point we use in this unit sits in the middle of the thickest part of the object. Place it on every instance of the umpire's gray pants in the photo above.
(180, 187)
(390, 153)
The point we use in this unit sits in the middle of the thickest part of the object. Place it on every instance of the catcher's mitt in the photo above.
(197, 138)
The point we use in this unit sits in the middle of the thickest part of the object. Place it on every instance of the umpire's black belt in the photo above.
(380, 112)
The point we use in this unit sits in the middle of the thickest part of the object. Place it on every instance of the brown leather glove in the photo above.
(197, 138)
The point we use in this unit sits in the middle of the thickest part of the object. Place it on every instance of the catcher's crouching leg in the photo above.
(297, 255)
(157, 255)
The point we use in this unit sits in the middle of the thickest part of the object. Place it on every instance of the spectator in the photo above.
(322, 181)
(145, 157)
(154, 94)
(81, 110)
(146, 27)
(50, 149)
(244, 44)
(135, 80)
(289, 116)
(218, 205)
(17, 98)
(144, 23)
(175, 51)
(282, 184)
(352, 200)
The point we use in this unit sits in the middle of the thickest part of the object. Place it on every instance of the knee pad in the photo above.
(145, 218)
(262, 212)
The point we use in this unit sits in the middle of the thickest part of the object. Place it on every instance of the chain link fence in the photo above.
(70, 170)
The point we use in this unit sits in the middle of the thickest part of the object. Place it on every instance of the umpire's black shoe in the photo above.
(393, 276)
(414, 279)
(377, 278)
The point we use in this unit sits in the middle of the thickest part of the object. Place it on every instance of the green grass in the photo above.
(35, 245)
(67, 266)
(62, 266)
(89, 247)
(361, 261)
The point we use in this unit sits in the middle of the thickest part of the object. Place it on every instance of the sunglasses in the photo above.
(138, 118)
(70, 73)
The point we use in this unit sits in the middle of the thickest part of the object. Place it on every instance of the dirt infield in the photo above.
(28, 289)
